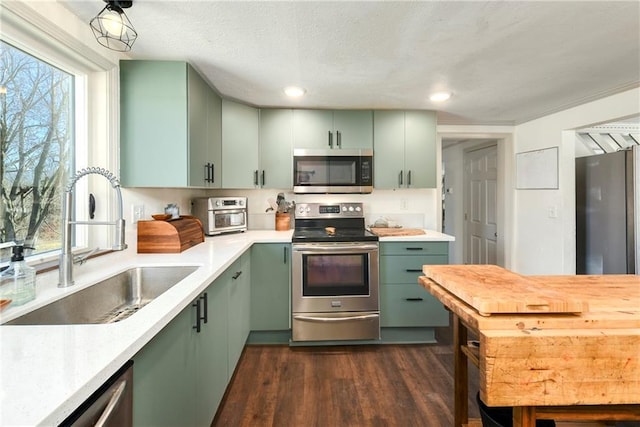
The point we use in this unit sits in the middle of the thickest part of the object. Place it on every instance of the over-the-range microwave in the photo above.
(332, 171)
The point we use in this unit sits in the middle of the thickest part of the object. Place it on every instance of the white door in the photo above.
(480, 188)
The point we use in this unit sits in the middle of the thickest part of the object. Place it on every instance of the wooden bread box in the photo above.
(172, 236)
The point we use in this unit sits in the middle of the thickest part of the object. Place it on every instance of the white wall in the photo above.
(545, 245)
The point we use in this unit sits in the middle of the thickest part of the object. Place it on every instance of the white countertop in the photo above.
(48, 371)
(428, 236)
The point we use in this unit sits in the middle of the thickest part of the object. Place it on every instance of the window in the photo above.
(37, 147)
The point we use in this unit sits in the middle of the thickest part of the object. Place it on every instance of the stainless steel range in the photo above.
(335, 274)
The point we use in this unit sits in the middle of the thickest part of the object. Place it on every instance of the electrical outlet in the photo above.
(403, 204)
(137, 213)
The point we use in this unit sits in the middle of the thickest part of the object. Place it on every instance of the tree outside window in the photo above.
(37, 144)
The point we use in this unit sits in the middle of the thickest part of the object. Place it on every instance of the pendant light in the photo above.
(112, 28)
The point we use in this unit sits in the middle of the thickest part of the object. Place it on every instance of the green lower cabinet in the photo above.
(181, 375)
(212, 354)
(410, 305)
(164, 376)
(270, 286)
(403, 302)
(239, 305)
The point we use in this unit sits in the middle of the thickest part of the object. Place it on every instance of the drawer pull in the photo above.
(414, 299)
(414, 249)
(413, 270)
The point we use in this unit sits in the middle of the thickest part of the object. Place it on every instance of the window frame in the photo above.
(95, 106)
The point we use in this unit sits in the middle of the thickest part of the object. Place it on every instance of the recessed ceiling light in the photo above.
(440, 96)
(294, 91)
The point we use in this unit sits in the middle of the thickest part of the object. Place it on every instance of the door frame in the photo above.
(506, 170)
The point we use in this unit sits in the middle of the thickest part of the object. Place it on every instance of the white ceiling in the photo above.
(505, 62)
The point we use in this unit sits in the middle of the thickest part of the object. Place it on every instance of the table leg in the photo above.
(461, 387)
(524, 416)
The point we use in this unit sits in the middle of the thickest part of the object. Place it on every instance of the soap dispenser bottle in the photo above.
(18, 281)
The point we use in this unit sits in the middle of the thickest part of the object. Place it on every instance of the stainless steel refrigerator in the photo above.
(608, 213)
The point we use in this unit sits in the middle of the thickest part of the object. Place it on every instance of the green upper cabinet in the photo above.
(240, 138)
(256, 147)
(276, 164)
(169, 126)
(405, 149)
(326, 129)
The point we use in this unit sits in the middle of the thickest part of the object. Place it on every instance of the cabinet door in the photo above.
(420, 149)
(212, 354)
(239, 312)
(410, 305)
(239, 145)
(164, 375)
(276, 134)
(311, 129)
(270, 286)
(153, 124)
(355, 127)
(197, 91)
(388, 148)
(214, 151)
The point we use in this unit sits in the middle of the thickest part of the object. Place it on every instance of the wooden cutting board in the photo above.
(392, 231)
(491, 290)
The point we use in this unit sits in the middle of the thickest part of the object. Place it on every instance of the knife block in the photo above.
(172, 236)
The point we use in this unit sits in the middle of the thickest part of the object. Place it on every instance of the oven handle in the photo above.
(336, 319)
(319, 247)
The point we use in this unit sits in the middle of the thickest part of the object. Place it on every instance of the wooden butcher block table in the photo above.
(561, 347)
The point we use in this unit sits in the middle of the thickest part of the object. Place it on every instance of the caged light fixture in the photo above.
(112, 27)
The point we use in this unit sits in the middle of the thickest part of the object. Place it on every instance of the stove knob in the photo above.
(217, 202)
(301, 209)
(350, 208)
(241, 202)
(344, 208)
(358, 209)
(308, 209)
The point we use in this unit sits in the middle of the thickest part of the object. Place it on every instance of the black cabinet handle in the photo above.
(414, 249)
(408, 178)
(205, 308)
(198, 316)
(400, 178)
(262, 178)
(413, 270)
(330, 138)
(414, 299)
(235, 276)
(284, 254)
(207, 173)
(213, 175)
(339, 139)
(92, 206)
(255, 177)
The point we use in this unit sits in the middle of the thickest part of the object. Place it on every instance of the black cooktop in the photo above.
(308, 235)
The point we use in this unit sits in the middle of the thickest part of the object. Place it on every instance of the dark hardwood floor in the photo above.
(383, 385)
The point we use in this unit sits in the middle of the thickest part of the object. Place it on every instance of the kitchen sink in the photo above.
(110, 300)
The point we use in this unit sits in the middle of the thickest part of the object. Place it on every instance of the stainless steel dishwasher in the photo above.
(110, 406)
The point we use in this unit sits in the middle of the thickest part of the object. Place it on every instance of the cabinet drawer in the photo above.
(414, 248)
(410, 305)
(406, 269)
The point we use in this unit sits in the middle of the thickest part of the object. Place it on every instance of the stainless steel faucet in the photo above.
(66, 256)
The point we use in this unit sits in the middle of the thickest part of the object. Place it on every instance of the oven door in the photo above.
(335, 277)
(227, 220)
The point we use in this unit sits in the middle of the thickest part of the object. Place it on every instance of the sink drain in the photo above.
(120, 313)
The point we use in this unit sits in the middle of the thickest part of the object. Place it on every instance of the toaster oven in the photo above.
(221, 214)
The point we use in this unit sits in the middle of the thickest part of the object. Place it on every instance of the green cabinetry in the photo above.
(276, 162)
(170, 134)
(270, 286)
(181, 375)
(403, 302)
(256, 147)
(326, 129)
(405, 149)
